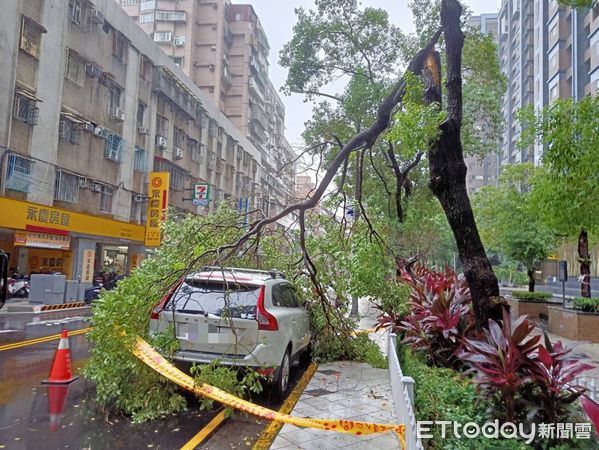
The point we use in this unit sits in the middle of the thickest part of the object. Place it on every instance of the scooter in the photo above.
(18, 287)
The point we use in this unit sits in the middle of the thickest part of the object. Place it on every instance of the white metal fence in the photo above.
(402, 389)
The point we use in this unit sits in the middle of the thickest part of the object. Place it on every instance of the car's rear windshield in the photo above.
(216, 298)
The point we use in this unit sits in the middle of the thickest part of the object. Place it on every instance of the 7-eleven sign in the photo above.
(201, 194)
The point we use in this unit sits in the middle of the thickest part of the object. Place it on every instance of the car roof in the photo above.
(235, 275)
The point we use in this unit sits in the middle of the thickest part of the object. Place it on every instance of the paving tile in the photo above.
(298, 436)
(281, 443)
(332, 441)
(385, 441)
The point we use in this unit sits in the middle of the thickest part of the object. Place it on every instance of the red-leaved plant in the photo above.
(440, 313)
(501, 363)
(553, 388)
(524, 380)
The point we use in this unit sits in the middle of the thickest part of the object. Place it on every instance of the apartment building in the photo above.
(224, 49)
(93, 105)
(547, 51)
(483, 171)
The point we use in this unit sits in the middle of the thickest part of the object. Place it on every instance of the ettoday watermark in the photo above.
(506, 430)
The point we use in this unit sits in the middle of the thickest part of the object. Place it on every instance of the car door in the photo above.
(300, 319)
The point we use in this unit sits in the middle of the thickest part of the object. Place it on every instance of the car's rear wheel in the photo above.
(282, 381)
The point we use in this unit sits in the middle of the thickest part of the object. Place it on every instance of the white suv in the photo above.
(240, 317)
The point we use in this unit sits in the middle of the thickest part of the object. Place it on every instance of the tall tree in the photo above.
(510, 223)
(448, 170)
(567, 189)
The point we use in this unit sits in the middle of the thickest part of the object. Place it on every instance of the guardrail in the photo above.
(402, 389)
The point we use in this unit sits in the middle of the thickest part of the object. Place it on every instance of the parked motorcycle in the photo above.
(18, 287)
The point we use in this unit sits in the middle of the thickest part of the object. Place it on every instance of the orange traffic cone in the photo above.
(61, 367)
(57, 396)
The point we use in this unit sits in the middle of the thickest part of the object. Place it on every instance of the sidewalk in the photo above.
(344, 390)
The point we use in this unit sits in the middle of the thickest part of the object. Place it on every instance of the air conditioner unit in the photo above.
(88, 127)
(99, 133)
(143, 130)
(117, 114)
(96, 16)
(160, 141)
(178, 153)
(93, 71)
(196, 63)
(212, 67)
(138, 198)
(97, 187)
(213, 48)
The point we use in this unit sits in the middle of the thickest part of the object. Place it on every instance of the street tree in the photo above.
(565, 191)
(510, 223)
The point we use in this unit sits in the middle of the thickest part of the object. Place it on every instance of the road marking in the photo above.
(41, 339)
(269, 434)
(205, 432)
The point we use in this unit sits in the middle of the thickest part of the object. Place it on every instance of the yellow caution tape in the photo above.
(152, 358)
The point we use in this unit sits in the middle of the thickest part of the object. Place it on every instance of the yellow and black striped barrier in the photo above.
(62, 306)
(152, 358)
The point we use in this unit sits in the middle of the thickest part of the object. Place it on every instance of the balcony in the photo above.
(255, 88)
(257, 132)
(175, 92)
(170, 16)
(259, 116)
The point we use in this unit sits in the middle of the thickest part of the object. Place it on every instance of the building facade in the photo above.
(224, 49)
(93, 106)
(483, 171)
(547, 51)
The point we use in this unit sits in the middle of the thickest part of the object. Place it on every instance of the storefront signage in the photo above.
(157, 206)
(87, 274)
(201, 194)
(25, 215)
(42, 240)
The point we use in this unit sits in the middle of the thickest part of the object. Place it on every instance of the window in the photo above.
(141, 160)
(114, 96)
(163, 36)
(31, 36)
(75, 11)
(553, 34)
(66, 187)
(69, 131)
(193, 146)
(170, 16)
(141, 111)
(119, 46)
(162, 126)
(180, 137)
(178, 60)
(128, 2)
(19, 174)
(75, 68)
(284, 296)
(106, 193)
(25, 110)
(113, 148)
(147, 17)
(145, 69)
(179, 41)
(147, 4)
(553, 92)
(553, 62)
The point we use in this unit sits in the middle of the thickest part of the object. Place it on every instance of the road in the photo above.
(29, 417)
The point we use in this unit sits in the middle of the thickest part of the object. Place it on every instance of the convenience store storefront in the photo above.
(44, 239)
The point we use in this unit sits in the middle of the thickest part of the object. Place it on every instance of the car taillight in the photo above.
(266, 321)
(158, 307)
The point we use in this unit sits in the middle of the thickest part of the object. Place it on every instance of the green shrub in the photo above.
(586, 304)
(227, 379)
(532, 296)
(444, 394)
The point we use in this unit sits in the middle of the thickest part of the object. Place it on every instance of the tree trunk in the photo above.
(448, 170)
(531, 279)
(584, 258)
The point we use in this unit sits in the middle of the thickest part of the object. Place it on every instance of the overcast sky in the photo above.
(278, 18)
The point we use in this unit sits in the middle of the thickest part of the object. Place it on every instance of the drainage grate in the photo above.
(318, 392)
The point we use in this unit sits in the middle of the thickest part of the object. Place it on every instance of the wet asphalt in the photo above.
(37, 416)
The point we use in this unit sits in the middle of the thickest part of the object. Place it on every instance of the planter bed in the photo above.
(574, 324)
(536, 310)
